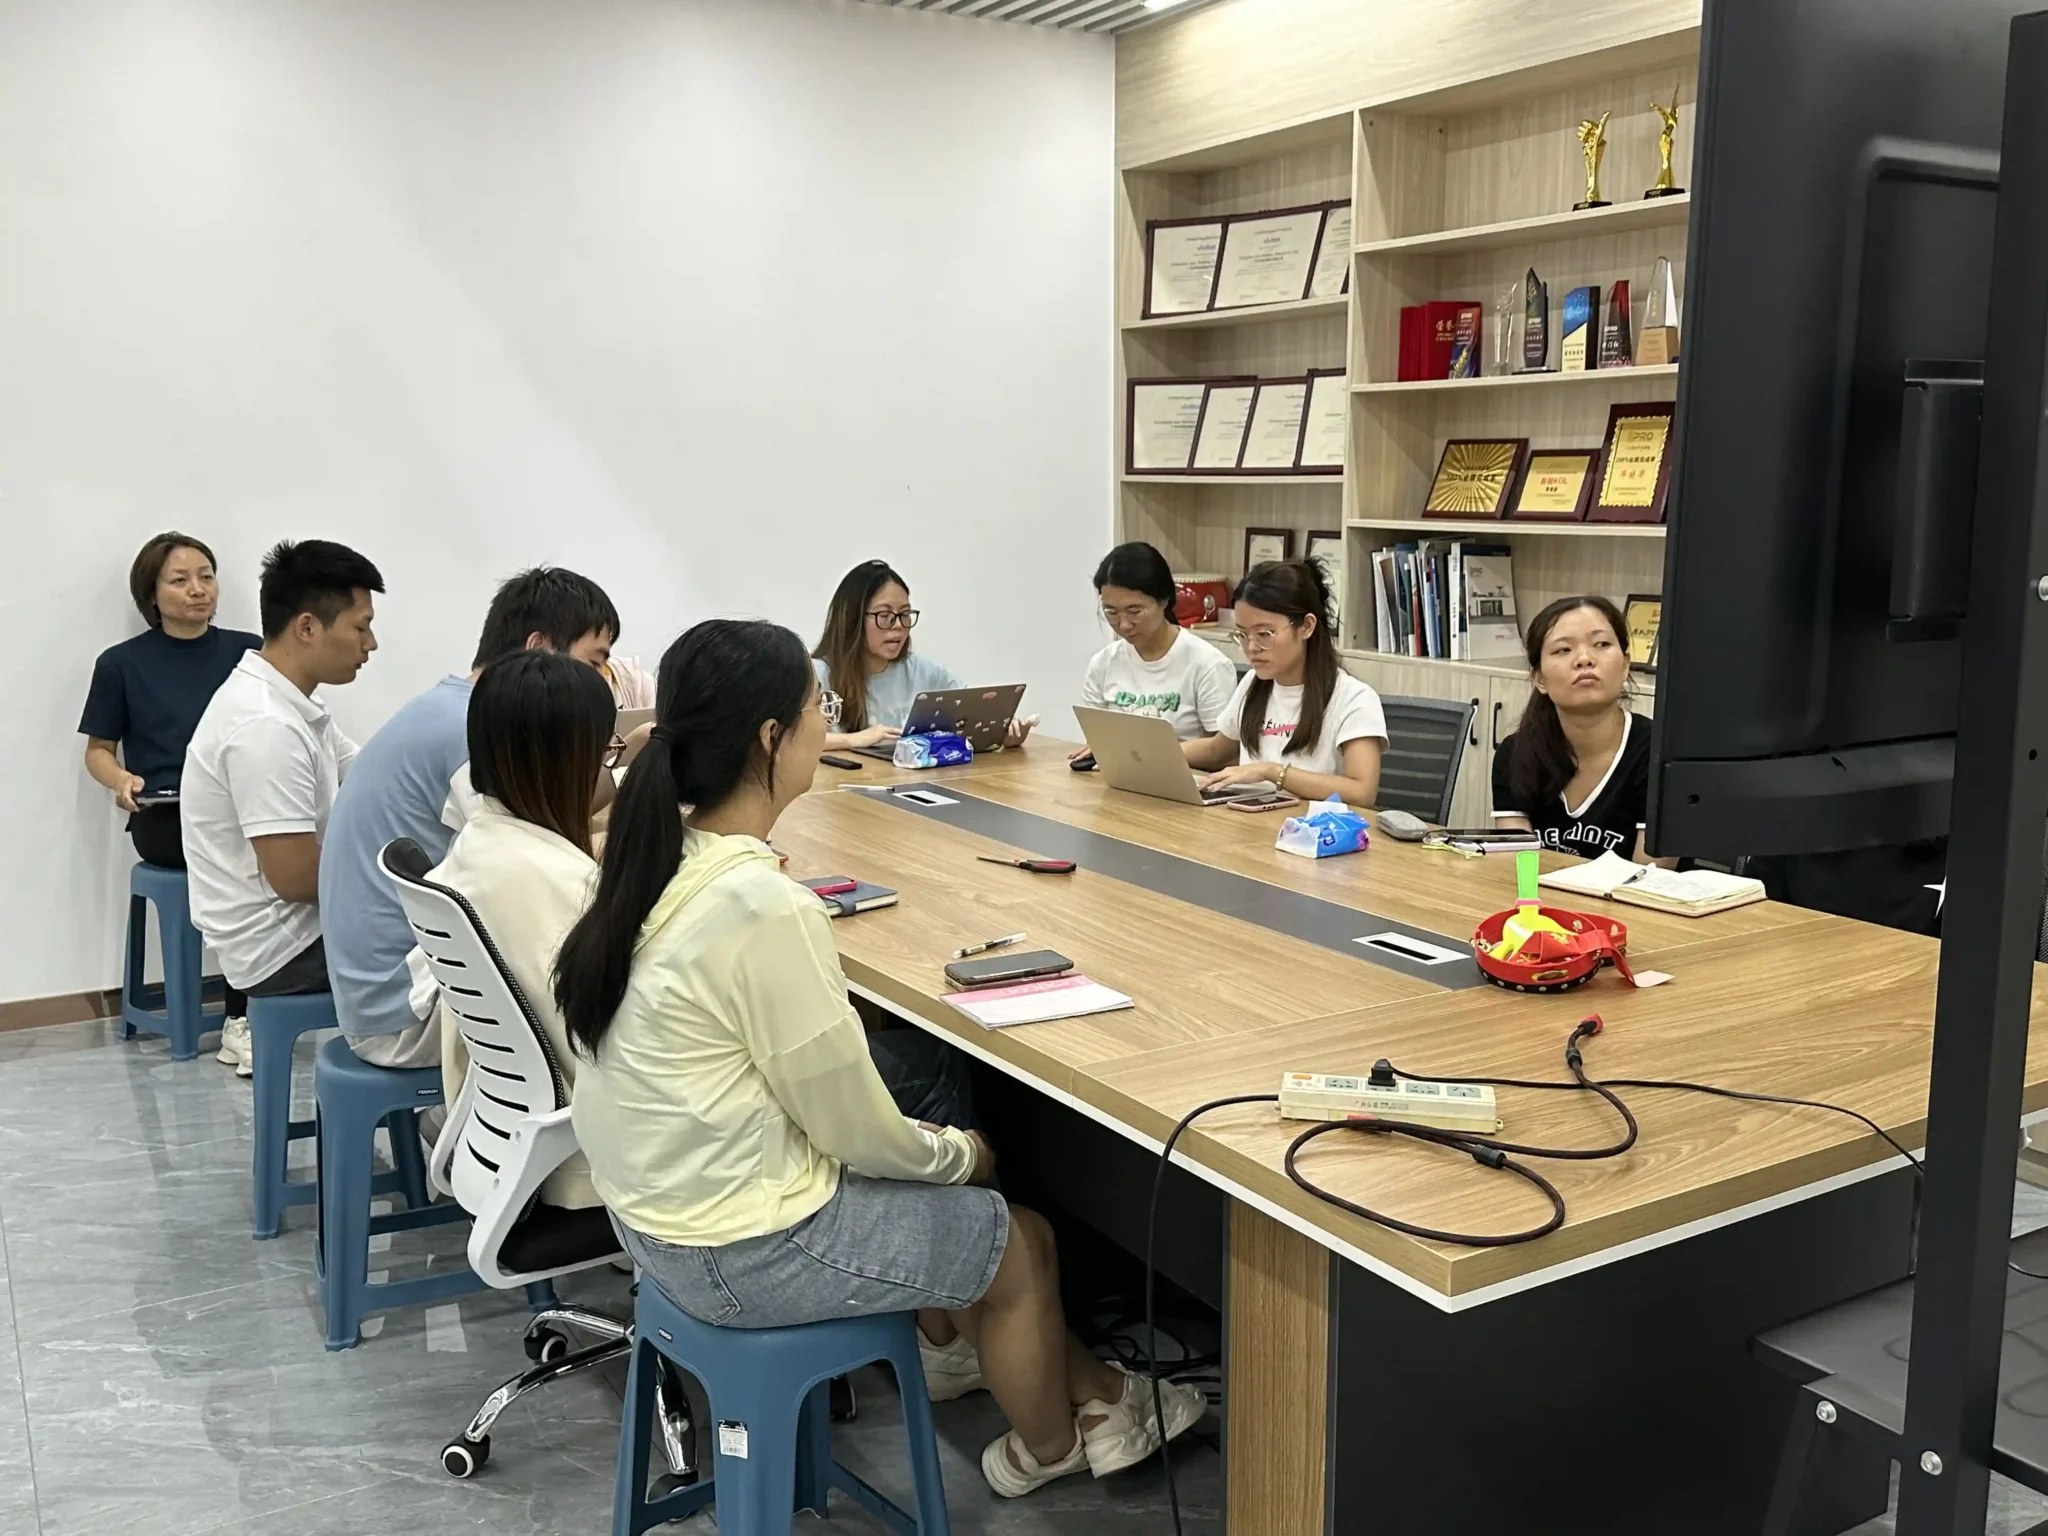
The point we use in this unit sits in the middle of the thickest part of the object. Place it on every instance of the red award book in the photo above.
(1440, 335)
(1464, 363)
(1410, 367)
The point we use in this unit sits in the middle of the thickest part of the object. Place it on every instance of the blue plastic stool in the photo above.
(182, 1018)
(770, 1389)
(275, 1025)
(352, 1098)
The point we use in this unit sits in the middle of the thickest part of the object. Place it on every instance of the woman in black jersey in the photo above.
(1576, 771)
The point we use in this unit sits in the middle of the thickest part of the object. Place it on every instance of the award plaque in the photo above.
(1593, 144)
(1581, 316)
(1465, 328)
(1635, 466)
(1557, 486)
(1666, 137)
(1659, 341)
(1331, 274)
(1262, 546)
(1535, 324)
(1272, 443)
(1617, 342)
(1329, 414)
(1267, 257)
(1219, 439)
(1474, 476)
(1645, 615)
(1163, 416)
(1180, 265)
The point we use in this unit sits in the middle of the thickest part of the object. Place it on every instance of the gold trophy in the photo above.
(1593, 140)
(1664, 187)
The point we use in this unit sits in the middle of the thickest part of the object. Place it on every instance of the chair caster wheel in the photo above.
(671, 1482)
(465, 1458)
(546, 1344)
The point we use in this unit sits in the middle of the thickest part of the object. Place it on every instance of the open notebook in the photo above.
(1695, 893)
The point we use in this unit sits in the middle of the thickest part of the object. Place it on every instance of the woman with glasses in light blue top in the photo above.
(864, 657)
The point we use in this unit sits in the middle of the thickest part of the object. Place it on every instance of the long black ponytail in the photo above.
(1298, 589)
(718, 685)
(1541, 761)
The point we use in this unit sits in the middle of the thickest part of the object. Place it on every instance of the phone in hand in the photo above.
(998, 970)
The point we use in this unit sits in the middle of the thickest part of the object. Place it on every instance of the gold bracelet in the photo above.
(1281, 782)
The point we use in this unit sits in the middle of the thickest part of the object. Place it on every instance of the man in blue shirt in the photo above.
(401, 785)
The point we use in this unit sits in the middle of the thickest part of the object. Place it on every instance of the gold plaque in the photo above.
(1636, 465)
(1474, 476)
(1645, 615)
(1556, 486)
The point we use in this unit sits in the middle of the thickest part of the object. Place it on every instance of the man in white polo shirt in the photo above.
(261, 774)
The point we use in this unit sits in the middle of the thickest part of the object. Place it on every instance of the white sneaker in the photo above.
(235, 1048)
(950, 1370)
(1013, 1471)
(1129, 1428)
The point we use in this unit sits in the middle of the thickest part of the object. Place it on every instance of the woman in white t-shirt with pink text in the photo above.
(1153, 666)
(1298, 720)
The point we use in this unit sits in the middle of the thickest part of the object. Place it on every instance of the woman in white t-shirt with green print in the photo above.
(1298, 720)
(1153, 667)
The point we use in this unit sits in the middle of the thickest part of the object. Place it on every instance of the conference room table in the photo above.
(1597, 1379)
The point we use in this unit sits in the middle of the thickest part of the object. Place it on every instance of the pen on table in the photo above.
(984, 948)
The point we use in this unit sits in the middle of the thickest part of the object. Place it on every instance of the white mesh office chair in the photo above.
(506, 1132)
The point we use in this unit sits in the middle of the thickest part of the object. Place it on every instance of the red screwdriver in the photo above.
(1036, 866)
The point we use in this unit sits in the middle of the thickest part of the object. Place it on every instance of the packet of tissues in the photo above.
(936, 749)
(1328, 830)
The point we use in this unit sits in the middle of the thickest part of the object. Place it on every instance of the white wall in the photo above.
(708, 299)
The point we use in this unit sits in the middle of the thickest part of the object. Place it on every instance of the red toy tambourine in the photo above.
(1548, 962)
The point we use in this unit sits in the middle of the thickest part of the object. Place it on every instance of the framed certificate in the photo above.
(1557, 486)
(1267, 257)
(1219, 440)
(1163, 416)
(1474, 476)
(1328, 416)
(1180, 265)
(1272, 443)
(1635, 466)
(1265, 544)
(1645, 615)
(1331, 273)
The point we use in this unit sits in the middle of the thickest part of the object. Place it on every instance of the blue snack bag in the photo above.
(1332, 828)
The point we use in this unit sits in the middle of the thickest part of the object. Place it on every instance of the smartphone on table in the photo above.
(999, 970)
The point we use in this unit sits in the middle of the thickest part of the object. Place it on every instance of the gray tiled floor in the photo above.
(162, 1373)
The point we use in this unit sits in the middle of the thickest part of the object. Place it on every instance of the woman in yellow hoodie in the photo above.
(733, 1119)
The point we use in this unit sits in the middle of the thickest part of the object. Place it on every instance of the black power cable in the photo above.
(1489, 1152)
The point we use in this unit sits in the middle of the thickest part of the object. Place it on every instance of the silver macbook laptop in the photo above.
(1140, 753)
(982, 715)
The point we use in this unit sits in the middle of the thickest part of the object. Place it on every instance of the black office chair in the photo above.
(1425, 743)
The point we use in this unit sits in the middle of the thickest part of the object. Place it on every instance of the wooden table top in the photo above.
(1767, 998)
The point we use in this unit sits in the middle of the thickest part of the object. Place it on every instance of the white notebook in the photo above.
(1695, 893)
(1035, 1002)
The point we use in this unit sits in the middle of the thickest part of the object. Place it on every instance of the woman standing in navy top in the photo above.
(148, 692)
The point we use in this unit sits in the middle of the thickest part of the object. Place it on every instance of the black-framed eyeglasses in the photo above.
(890, 618)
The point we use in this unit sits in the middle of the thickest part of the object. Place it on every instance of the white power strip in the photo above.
(1413, 1101)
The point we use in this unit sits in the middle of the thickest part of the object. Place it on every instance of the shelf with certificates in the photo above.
(1509, 527)
(1522, 380)
(1217, 319)
(1614, 219)
(1296, 478)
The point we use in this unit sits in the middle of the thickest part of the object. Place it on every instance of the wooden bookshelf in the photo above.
(1497, 528)
(1584, 378)
(1459, 183)
(1251, 314)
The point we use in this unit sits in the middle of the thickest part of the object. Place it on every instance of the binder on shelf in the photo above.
(1494, 633)
(1445, 600)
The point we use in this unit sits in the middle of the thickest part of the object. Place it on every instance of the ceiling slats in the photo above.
(1104, 16)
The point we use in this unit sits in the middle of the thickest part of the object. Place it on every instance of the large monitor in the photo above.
(1838, 271)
